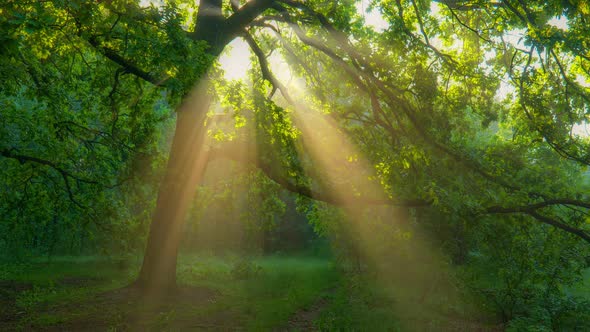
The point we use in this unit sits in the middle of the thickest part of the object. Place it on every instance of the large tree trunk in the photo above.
(186, 165)
(188, 158)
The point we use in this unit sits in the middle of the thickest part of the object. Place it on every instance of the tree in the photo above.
(422, 99)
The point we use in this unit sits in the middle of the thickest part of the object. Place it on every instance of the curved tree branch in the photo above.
(127, 65)
(8, 153)
(270, 171)
(531, 210)
(265, 69)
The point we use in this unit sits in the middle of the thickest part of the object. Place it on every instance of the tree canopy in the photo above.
(477, 110)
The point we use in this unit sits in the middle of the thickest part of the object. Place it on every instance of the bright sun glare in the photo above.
(235, 59)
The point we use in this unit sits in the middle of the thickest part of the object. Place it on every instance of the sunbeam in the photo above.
(186, 165)
(293, 165)
(389, 245)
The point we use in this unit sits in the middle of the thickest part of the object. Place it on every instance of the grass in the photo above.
(361, 303)
(356, 306)
(253, 293)
(218, 293)
(262, 292)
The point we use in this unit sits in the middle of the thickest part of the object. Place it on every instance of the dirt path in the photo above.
(9, 290)
(303, 319)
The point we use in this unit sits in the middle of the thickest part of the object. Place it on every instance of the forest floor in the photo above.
(231, 293)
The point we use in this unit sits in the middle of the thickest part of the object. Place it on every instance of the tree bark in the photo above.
(186, 165)
(188, 157)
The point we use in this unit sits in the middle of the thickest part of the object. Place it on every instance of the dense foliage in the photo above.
(469, 114)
